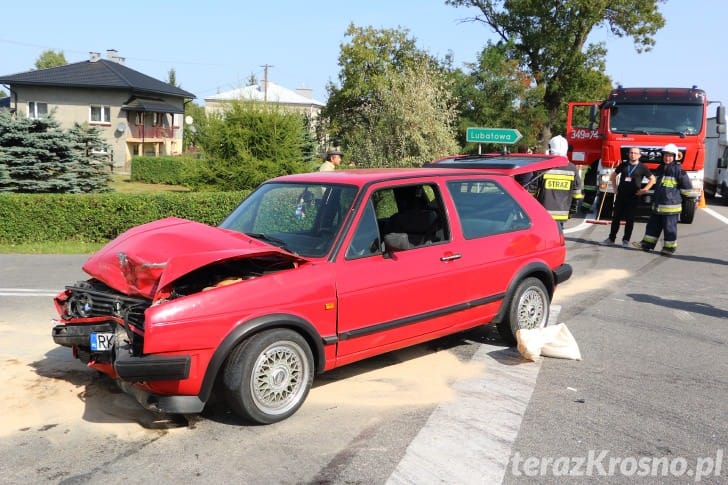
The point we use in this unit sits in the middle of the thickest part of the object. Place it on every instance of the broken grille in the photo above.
(94, 299)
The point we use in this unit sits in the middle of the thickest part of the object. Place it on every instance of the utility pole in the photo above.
(265, 81)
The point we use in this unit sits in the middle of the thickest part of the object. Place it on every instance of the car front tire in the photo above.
(268, 376)
(529, 308)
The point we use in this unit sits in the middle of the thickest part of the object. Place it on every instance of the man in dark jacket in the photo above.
(558, 186)
(631, 174)
(672, 184)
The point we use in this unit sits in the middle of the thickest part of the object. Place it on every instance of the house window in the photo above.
(158, 119)
(139, 118)
(100, 115)
(37, 110)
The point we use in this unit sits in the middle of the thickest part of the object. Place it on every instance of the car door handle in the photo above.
(451, 257)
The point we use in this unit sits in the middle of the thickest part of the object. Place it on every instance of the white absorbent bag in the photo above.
(552, 341)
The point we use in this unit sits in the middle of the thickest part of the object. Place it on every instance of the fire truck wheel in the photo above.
(688, 211)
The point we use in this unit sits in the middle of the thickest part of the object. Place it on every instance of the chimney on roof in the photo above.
(111, 54)
(94, 56)
(305, 92)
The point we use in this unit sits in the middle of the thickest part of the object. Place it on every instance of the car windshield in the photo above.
(656, 119)
(301, 218)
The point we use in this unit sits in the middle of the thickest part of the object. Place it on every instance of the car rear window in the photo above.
(485, 208)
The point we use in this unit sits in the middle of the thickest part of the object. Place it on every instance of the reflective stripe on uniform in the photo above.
(558, 180)
(669, 208)
(559, 215)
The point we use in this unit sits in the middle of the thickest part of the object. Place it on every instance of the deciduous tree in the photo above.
(248, 144)
(50, 58)
(495, 92)
(393, 105)
(549, 40)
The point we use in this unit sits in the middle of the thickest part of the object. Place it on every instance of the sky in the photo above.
(215, 46)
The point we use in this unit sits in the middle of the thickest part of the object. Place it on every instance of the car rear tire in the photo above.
(268, 376)
(529, 308)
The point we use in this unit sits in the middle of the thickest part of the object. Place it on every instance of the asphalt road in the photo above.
(647, 402)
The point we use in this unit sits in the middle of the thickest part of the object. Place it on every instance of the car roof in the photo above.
(495, 165)
(357, 176)
(506, 164)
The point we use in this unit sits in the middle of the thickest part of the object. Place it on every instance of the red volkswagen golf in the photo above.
(312, 272)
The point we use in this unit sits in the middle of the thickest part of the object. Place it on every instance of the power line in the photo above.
(140, 59)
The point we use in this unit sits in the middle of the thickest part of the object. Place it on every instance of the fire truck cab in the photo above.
(600, 135)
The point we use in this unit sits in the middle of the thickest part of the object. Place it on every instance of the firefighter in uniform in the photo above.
(672, 184)
(559, 186)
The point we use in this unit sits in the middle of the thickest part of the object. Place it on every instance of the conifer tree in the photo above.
(92, 173)
(37, 156)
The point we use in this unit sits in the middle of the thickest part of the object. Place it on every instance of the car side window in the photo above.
(410, 216)
(485, 208)
(366, 240)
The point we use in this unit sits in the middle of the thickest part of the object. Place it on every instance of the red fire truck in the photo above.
(600, 135)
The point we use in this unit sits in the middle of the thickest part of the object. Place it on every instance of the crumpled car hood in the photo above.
(148, 257)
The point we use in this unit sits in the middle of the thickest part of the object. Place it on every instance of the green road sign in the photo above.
(507, 136)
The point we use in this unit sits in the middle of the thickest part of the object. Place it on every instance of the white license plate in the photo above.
(101, 341)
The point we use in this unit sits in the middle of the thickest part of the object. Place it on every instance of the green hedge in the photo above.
(163, 170)
(98, 218)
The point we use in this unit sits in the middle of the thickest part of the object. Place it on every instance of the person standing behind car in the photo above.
(558, 186)
(626, 199)
(333, 160)
(672, 183)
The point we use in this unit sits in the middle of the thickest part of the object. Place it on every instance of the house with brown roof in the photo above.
(137, 114)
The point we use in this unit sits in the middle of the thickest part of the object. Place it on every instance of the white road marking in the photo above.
(585, 224)
(469, 439)
(721, 218)
(28, 292)
(578, 228)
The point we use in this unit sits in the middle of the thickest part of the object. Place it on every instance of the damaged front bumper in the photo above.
(127, 365)
(89, 310)
(131, 371)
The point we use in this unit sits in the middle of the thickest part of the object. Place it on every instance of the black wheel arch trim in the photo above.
(248, 328)
(562, 273)
(549, 277)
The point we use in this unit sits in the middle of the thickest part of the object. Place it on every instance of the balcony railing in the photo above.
(152, 131)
